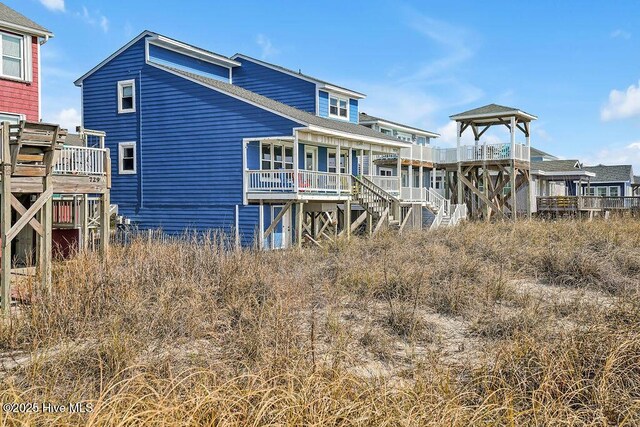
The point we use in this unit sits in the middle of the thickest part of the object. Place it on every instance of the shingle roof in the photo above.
(557, 166)
(539, 153)
(286, 110)
(290, 71)
(364, 117)
(491, 109)
(74, 139)
(636, 180)
(615, 173)
(10, 16)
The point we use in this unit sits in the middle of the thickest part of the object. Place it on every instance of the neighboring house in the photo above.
(612, 181)
(541, 156)
(20, 66)
(558, 177)
(420, 170)
(202, 141)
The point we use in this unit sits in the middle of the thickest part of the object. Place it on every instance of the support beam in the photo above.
(347, 218)
(299, 223)
(5, 221)
(277, 219)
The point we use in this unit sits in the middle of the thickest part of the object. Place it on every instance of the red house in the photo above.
(20, 66)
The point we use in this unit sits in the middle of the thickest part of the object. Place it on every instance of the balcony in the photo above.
(467, 153)
(287, 184)
(84, 161)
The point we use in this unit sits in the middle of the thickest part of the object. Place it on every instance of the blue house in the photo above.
(203, 141)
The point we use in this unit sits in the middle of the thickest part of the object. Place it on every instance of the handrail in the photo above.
(438, 218)
(459, 213)
(80, 161)
(437, 200)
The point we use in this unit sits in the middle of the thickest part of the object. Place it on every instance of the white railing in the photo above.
(423, 153)
(270, 181)
(459, 214)
(285, 181)
(323, 182)
(414, 194)
(468, 153)
(80, 161)
(390, 184)
(438, 201)
(438, 219)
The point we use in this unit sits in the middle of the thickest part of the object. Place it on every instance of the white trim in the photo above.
(502, 114)
(113, 55)
(121, 147)
(354, 137)
(338, 99)
(401, 128)
(121, 85)
(319, 83)
(192, 51)
(561, 173)
(19, 116)
(24, 55)
(40, 84)
(26, 30)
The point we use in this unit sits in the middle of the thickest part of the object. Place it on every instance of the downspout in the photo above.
(141, 179)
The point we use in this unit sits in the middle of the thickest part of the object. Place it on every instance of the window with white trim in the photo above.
(338, 107)
(12, 52)
(127, 158)
(386, 172)
(331, 160)
(614, 191)
(126, 96)
(11, 118)
(276, 156)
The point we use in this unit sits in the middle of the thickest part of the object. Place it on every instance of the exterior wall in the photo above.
(163, 56)
(621, 186)
(353, 110)
(323, 103)
(277, 85)
(22, 97)
(188, 151)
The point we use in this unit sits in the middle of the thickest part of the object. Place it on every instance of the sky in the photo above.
(574, 64)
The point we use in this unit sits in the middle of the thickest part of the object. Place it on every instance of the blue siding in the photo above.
(323, 103)
(189, 143)
(167, 57)
(277, 85)
(253, 155)
(323, 158)
(354, 162)
(301, 155)
(353, 110)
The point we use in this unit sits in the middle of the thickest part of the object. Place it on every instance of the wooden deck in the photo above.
(573, 204)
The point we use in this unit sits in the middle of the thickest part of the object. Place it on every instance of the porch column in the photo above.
(338, 167)
(347, 218)
(5, 219)
(512, 156)
(459, 183)
(421, 179)
(299, 221)
(410, 172)
(433, 177)
(261, 226)
(296, 159)
(370, 161)
(399, 165)
(530, 181)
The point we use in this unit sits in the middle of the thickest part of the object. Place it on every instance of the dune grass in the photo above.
(533, 323)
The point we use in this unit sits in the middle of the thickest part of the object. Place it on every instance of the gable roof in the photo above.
(364, 118)
(321, 83)
(492, 110)
(557, 165)
(539, 153)
(613, 173)
(9, 18)
(302, 117)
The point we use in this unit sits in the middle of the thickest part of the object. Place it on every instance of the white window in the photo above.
(590, 191)
(338, 107)
(614, 191)
(12, 52)
(386, 131)
(127, 96)
(331, 160)
(601, 191)
(127, 158)
(386, 172)
(276, 156)
(11, 118)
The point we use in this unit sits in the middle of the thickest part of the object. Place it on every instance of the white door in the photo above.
(311, 158)
(281, 235)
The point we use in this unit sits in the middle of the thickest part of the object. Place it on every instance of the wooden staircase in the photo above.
(380, 205)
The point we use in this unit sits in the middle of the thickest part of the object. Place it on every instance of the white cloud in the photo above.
(268, 50)
(622, 105)
(617, 154)
(620, 34)
(68, 118)
(55, 5)
(94, 18)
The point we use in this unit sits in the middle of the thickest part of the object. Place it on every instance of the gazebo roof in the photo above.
(493, 113)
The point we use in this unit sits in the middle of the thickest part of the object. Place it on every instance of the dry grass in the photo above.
(532, 323)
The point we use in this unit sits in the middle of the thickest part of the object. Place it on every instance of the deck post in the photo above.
(261, 226)
(399, 166)
(410, 173)
(421, 180)
(370, 161)
(296, 159)
(5, 221)
(459, 158)
(529, 183)
(84, 222)
(46, 244)
(347, 218)
(105, 219)
(299, 223)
